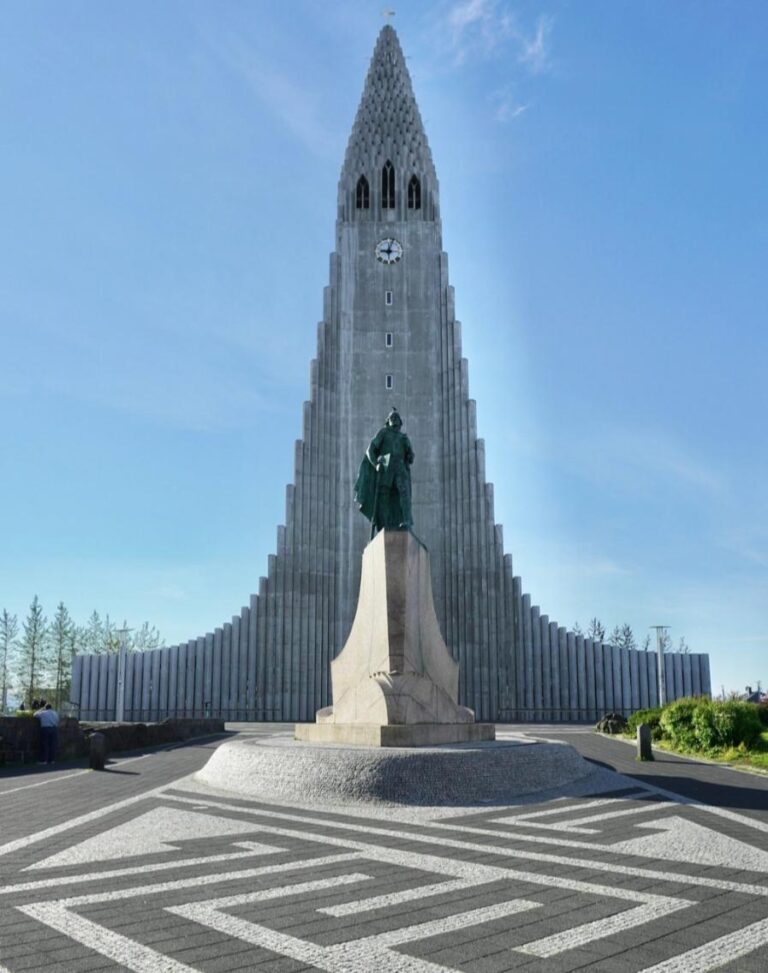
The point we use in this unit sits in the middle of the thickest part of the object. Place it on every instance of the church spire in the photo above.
(388, 127)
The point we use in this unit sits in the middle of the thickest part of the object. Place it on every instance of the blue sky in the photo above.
(169, 174)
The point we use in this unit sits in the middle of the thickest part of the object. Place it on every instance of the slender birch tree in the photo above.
(62, 629)
(33, 660)
(9, 629)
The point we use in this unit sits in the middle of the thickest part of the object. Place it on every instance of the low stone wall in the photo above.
(20, 739)
(20, 736)
(134, 736)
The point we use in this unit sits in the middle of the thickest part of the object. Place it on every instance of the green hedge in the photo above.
(702, 724)
(721, 725)
(676, 722)
(649, 716)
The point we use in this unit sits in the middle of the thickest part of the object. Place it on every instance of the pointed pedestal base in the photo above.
(395, 684)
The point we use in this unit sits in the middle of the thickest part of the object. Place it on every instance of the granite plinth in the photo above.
(403, 735)
(395, 683)
(460, 775)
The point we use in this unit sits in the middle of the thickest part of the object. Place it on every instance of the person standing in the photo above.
(49, 733)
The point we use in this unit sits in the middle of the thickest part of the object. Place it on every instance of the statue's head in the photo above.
(393, 419)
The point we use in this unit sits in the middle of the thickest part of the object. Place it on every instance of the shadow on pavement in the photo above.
(710, 792)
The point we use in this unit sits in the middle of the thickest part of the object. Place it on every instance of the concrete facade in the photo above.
(388, 336)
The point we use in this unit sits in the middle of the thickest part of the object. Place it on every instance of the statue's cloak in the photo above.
(365, 488)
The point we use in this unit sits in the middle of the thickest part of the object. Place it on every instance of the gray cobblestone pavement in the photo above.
(664, 869)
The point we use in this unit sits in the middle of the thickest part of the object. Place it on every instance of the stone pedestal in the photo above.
(395, 683)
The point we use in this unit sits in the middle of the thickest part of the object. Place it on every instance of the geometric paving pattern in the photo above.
(179, 880)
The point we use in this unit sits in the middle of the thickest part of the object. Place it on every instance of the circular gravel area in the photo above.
(452, 775)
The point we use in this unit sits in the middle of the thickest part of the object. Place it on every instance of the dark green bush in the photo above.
(676, 722)
(649, 716)
(721, 725)
(762, 713)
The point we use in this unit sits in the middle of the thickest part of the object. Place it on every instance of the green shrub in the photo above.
(762, 713)
(705, 725)
(724, 725)
(649, 716)
(676, 722)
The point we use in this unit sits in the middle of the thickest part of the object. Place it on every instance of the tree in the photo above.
(647, 643)
(596, 630)
(577, 630)
(111, 638)
(146, 638)
(682, 646)
(62, 629)
(9, 629)
(33, 658)
(98, 637)
(622, 637)
(627, 637)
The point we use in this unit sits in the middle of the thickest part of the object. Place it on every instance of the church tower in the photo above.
(388, 337)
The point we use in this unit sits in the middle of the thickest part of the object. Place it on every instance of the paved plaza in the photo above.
(660, 868)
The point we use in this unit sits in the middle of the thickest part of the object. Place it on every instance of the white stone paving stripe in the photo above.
(198, 880)
(473, 872)
(126, 952)
(717, 952)
(370, 953)
(721, 812)
(396, 898)
(575, 824)
(40, 783)
(600, 928)
(344, 958)
(461, 920)
(253, 849)
(560, 809)
(279, 892)
(374, 851)
(100, 812)
(643, 808)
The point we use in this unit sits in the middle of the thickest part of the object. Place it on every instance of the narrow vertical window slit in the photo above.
(362, 194)
(414, 193)
(388, 186)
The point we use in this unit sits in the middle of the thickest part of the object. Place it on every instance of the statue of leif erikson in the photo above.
(383, 487)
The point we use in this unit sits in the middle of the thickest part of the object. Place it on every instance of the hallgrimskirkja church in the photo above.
(388, 337)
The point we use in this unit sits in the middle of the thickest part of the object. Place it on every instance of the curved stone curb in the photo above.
(461, 775)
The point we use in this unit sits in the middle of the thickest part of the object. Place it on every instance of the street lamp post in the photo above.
(660, 630)
(122, 656)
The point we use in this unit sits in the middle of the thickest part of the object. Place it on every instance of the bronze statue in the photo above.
(383, 487)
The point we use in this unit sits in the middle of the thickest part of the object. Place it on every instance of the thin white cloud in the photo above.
(481, 29)
(295, 105)
(535, 50)
(506, 105)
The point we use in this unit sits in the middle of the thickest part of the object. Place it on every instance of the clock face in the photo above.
(389, 251)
